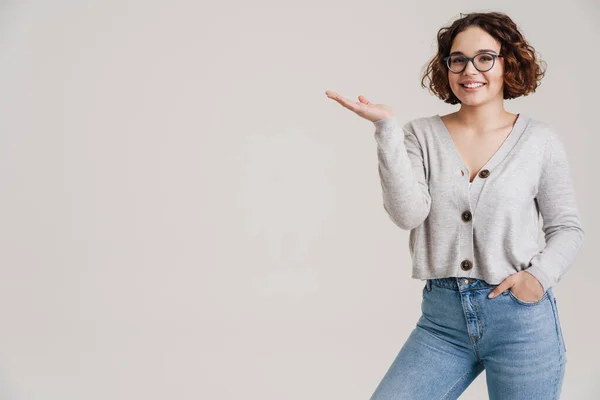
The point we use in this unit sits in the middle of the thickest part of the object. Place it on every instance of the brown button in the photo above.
(484, 173)
(466, 216)
(466, 265)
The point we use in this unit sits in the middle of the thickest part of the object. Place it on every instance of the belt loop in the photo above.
(428, 285)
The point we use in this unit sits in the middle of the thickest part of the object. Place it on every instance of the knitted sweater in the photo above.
(489, 229)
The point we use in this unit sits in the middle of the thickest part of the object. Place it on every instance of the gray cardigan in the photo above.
(489, 230)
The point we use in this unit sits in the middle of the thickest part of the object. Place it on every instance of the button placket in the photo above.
(466, 230)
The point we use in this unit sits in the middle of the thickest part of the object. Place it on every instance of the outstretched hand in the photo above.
(524, 286)
(363, 107)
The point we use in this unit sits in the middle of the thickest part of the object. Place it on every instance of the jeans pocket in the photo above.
(527, 303)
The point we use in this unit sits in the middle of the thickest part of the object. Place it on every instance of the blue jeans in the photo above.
(461, 332)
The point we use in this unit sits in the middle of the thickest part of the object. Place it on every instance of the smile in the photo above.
(472, 88)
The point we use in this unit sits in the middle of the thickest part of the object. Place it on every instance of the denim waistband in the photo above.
(464, 282)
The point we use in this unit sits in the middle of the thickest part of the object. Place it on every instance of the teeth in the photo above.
(472, 85)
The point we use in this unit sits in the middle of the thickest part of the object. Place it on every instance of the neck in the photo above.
(483, 117)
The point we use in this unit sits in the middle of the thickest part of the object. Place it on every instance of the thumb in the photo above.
(504, 285)
(363, 100)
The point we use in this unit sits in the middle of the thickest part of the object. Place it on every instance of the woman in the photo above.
(470, 186)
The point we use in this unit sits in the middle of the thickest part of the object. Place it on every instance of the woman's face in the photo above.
(469, 42)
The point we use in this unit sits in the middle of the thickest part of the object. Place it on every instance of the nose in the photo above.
(470, 67)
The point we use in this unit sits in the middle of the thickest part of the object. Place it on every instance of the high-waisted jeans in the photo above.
(461, 332)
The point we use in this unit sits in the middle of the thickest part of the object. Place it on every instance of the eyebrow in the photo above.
(478, 51)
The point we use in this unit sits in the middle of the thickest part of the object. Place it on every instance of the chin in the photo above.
(471, 102)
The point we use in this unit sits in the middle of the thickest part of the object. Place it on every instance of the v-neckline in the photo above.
(501, 152)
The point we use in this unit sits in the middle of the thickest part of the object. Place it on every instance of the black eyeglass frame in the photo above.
(472, 59)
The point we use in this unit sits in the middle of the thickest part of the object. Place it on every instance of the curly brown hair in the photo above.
(522, 70)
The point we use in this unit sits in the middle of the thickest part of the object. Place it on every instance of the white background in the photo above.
(184, 214)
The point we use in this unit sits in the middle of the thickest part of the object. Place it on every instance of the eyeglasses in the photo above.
(483, 62)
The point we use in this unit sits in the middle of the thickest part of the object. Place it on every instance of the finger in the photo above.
(504, 285)
(364, 100)
(343, 101)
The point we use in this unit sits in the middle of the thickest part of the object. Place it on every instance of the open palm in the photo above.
(363, 107)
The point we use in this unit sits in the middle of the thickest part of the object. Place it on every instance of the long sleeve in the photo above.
(406, 196)
(562, 228)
